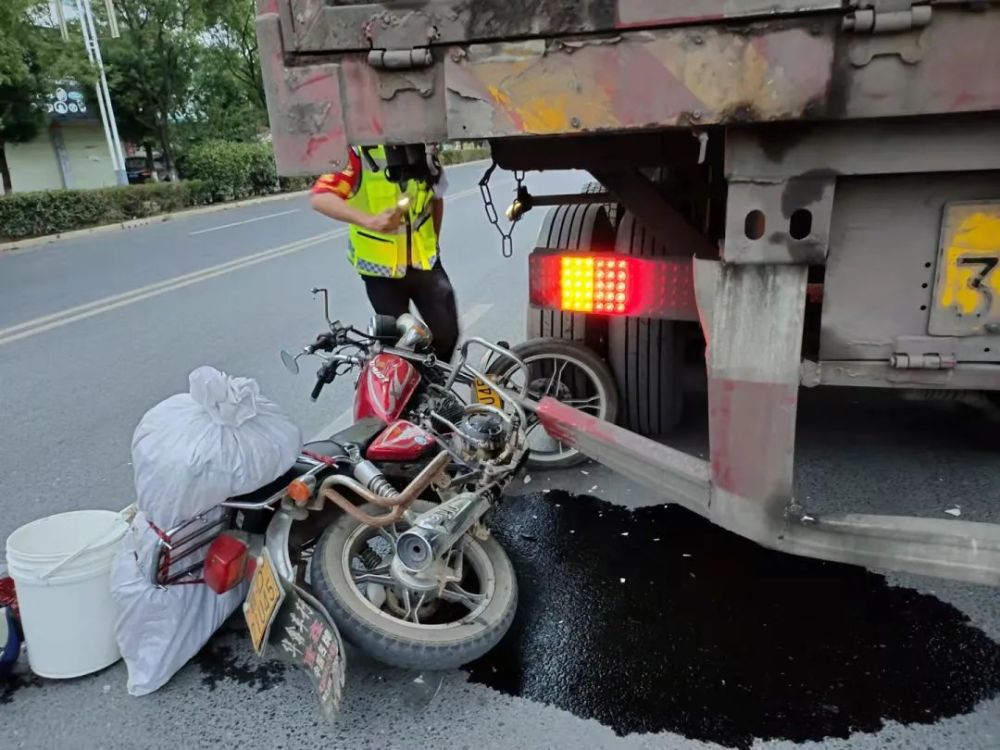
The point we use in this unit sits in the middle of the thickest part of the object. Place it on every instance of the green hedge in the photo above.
(218, 171)
(53, 211)
(231, 171)
(460, 155)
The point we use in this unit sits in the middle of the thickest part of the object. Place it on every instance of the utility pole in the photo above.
(92, 45)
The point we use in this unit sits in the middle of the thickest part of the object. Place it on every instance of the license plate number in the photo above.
(486, 395)
(966, 298)
(263, 601)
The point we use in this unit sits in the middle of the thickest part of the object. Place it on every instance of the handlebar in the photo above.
(327, 373)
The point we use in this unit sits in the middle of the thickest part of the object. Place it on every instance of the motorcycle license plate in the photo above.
(262, 603)
(484, 394)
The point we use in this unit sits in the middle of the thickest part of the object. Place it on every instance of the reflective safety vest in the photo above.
(414, 244)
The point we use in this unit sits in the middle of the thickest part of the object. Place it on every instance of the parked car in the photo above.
(137, 170)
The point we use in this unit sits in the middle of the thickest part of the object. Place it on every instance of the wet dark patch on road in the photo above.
(655, 620)
(220, 662)
(11, 684)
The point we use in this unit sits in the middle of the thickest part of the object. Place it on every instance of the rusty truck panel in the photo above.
(318, 26)
(629, 66)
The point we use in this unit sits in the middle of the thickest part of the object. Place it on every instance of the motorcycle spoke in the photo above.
(556, 379)
(594, 402)
(416, 610)
(453, 592)
(558, 448)
(376, 575)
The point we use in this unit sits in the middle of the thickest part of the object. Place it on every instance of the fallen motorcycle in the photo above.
(380, 532)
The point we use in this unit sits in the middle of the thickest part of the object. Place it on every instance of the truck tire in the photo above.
(612, 209)
(580, 227)
(646, 354)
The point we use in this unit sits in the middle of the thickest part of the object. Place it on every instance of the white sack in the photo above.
(194, 450)
(159, 629)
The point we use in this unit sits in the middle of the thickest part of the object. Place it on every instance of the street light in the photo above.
(90, 42)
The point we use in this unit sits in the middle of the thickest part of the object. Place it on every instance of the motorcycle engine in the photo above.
(482, 436)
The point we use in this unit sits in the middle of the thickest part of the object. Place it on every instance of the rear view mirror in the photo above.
(290, 361)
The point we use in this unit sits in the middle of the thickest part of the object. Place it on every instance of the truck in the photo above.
(805, 191)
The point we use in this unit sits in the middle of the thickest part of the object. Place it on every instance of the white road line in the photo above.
(467, 320)
(245, 221)
(80, 312)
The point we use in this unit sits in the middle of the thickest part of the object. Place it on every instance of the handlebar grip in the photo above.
(325, 376)
(324, 342)
(316, 389)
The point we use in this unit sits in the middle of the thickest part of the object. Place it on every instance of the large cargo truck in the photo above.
(807, 190)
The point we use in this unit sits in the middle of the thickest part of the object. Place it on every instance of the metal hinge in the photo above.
(922, 362)
(887, 28)
(400, 59)
(924, 353)
(888, 16)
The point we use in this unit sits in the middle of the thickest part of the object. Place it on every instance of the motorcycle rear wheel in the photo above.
(571, 373)
(386, 636)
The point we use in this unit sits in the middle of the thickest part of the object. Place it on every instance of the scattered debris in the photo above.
(585, 473)
(527, 478)
(956, 511)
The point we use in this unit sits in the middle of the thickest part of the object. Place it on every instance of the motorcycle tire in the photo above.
(592, 368)
(399, 643)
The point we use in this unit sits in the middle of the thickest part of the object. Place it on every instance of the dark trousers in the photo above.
(432, 294)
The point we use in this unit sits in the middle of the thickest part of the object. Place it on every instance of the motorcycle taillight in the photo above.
(225, 564)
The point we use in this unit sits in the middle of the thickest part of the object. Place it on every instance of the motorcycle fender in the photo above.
(304, 635)
(302, 632)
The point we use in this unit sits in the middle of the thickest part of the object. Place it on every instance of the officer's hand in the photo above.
(386, 222)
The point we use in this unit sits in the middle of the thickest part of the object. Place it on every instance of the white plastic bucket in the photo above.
(61, 566)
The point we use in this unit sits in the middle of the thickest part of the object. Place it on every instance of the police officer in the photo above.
(393, 239)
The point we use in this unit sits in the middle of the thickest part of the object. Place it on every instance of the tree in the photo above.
(151, 67)
(232, 26)
(32, 60)
(228, 101)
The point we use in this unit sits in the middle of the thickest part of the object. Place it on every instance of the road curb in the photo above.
(144, 222)
(148, 220)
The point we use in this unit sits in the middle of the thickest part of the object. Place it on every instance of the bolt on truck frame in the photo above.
(812, 186)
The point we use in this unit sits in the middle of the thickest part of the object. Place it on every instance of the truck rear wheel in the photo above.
(646, 354)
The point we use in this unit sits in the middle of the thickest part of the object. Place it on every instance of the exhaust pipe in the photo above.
(435, 531)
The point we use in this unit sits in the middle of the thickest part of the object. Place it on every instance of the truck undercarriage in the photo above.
(810, 190)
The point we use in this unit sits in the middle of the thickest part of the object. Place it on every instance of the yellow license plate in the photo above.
(967, 284)
(486, 395)
(263, 601)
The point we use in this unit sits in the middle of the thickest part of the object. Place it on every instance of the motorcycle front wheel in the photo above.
(568, 372)
(402, 626)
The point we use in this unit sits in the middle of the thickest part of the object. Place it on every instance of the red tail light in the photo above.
(613, 284)
(225, 564)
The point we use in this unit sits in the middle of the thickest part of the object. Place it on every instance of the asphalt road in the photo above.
(643, 629)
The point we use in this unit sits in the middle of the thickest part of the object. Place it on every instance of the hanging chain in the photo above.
(506, 242)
